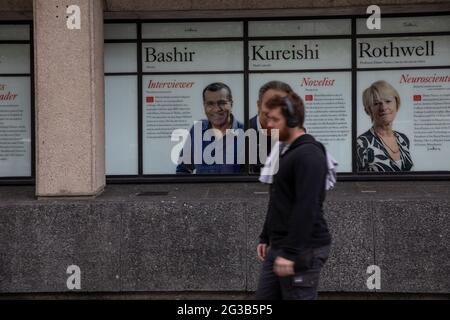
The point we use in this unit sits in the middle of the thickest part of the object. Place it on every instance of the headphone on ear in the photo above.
(292, 120)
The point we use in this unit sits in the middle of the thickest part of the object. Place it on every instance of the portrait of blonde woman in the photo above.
(381, 148)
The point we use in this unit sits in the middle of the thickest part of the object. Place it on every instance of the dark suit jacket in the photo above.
(256, 168)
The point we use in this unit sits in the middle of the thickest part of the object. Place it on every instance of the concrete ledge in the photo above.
(202, 238)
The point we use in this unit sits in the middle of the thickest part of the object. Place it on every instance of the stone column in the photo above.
(69, 99)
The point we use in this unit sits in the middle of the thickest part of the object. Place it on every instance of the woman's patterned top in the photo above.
(372, 155)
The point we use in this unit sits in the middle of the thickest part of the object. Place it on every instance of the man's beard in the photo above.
(284, 134)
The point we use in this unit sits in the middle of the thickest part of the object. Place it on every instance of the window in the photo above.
(157, 72)
(16, 152)
(121, 99)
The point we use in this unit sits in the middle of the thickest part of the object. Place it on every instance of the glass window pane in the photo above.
(120, 57)
(14, 58)
(120, 125)
(15, 131)
(14, 32)
(181, 30)
(286, 28)
(120, 31)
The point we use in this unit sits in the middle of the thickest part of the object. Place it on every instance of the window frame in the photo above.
(350, 176)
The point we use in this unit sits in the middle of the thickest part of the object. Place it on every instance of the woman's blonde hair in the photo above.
(377, 91)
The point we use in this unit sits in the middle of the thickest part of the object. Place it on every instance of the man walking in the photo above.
(295, 241)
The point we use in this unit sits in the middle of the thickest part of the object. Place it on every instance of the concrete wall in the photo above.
(139, 5)
(170, 5)
(69, 100)
(202, 237)
(192, 9)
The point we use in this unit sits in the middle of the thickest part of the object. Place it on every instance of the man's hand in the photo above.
(283, 267)
(261, 251)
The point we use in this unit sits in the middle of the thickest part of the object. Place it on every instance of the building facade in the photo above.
(96, 100)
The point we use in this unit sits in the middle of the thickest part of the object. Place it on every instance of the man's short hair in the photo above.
(216, 86)
(274, 85)
(298, 108)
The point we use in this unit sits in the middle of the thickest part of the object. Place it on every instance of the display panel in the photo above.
(15, 131)
(403, 52)
(192, 56)
(176, 102)
(328, 105)
(420, 117)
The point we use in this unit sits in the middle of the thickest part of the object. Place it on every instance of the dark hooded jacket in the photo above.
(295, 217)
